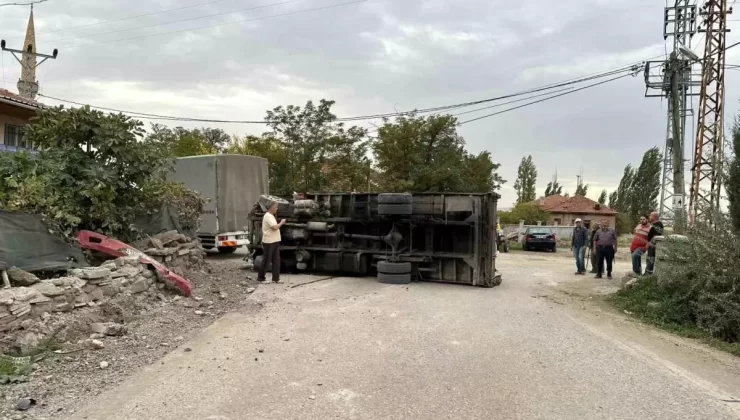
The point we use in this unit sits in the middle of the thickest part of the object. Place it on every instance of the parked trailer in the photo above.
(448, 237)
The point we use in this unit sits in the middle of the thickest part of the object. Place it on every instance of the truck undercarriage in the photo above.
(448, 237)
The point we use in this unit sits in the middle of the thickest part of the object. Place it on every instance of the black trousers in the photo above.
(271, 254)
(606, 253)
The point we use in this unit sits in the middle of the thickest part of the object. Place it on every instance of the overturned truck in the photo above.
(399, 237)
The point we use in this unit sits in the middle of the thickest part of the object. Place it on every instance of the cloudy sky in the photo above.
(233, 59)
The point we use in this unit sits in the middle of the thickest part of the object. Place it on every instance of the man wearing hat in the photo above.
(578, 244)
(592, 246)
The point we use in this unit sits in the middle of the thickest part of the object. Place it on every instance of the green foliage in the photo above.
(553, 188)
(696, 285)
(526, 181)
(530, 212)
(732, 185)
(582, 190)
(646, 185)
(613, 197)
(92, 172)
(624, 224)
(602, 198)
(416, 153)
(181, 142)
(623, 198)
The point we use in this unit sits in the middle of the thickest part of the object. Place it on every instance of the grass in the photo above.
(650, 304)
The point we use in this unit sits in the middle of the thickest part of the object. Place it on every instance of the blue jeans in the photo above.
(637, 261)
(579, 253)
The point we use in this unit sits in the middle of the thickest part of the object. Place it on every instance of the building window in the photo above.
(14, 137)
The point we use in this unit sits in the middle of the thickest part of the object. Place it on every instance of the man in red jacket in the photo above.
(639, 244)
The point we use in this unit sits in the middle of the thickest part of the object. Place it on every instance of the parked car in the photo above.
(539, 238)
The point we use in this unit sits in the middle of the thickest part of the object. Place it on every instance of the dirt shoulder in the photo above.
(155, 323)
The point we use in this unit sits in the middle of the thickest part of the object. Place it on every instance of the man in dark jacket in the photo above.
(606, 246)
(578, 245)
(656, 229)
(592, 247)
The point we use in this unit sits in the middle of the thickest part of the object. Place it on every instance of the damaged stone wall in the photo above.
(174, 250)
(80, 288)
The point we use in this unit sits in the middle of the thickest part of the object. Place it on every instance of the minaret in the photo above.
(28, 86)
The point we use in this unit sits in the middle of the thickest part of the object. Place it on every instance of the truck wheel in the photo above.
(394, 209)
(226, 249)
(394, 198)
(386, 267)
(394, 278)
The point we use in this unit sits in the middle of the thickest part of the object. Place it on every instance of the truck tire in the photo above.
(394, 209)
(394, 278)
(226, 249)
(387, 267)
(394, 198)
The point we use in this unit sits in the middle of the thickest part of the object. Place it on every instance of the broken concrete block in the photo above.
(92, 273)
(127, 271)
(38, 309)
(95, 295)
(112, 266)
(139, 285)
(39, 299)
(147, 273)
(22, 278)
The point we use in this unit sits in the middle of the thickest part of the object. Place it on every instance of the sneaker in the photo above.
(609, 276)
(262, 280)
(599, 276)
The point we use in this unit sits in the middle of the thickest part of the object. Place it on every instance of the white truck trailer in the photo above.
(230, 184)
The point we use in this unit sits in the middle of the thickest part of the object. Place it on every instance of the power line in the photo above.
(332, 6)
(132, 17)
(545, 99)
(142, 115)
(28, 3)
(247, 9)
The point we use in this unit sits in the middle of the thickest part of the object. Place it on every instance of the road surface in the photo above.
(533, 348)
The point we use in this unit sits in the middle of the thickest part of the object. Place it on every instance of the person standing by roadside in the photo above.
(606, 247)
(578, 245)
(270, 244)
(656, 229)
(639, 245)
(594, 253)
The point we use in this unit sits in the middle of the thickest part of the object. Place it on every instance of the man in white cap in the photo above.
(578, 244)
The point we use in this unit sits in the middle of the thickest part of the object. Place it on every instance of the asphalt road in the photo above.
(355, 349)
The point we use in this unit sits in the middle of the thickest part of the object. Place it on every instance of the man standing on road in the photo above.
(270, 244)
(578, 245)
(655, 230)
(592, 247)
(639, 245)
(606, 247)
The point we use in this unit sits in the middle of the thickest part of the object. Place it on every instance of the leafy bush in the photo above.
(696, 283)
(92, 172)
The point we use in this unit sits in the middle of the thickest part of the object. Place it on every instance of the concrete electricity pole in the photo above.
(672, 79)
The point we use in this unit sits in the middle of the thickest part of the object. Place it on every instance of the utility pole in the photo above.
(671, 79)
(706, 181)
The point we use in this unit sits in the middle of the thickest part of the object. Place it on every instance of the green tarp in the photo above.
(27, 244)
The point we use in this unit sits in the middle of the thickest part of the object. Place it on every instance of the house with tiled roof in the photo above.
(15, 113)
(563, 211)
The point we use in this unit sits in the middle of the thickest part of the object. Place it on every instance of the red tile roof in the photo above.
(575, 205)
(9, 96)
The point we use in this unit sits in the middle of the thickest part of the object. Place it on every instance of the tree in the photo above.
(526, 181)
(92, 172)
(553, 188)
(529, 212)
(216, 138)
(602, 198)
(348, 168)
(646, 185)
(581, 190)
(304, 133)
(427, 154)
(733, 177)
(623, 202)
(180, 142)
(613, 197)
